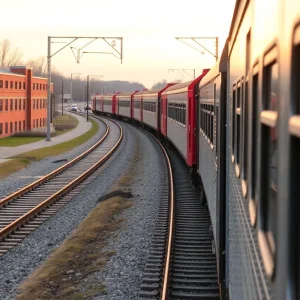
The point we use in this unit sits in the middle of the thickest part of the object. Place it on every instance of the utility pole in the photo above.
(88, 94)
(87, 98)
(62, 97)
(113, 45)
(71, 85)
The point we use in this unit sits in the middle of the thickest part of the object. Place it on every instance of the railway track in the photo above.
(23, 211)
(181, 264)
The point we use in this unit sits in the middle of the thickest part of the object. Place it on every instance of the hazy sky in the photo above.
(149, 29)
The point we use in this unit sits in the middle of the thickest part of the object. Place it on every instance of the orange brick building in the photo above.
(23, 100)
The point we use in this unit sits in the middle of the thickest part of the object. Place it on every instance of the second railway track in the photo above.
(25, 205)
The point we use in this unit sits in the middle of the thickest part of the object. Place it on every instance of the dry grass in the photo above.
(65, 122)
(83, 253)
(39, 154)
(13, 165)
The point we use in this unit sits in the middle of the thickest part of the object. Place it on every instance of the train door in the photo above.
(164, 114)
(221, 143)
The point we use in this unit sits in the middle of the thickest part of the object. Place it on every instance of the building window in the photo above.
(20, 85)
(6, 104)
(11, 104)
(37, 86)
(0, 128)
(34, 86)
(1, 84)
(6, 84)
(11, 85)
(16, 84)
(40, 122)
(33, 103)
(20, 123)
(37, 103)
(6, 127)
(16, 104)
(20, 104)
(24, 104)
(24, 124)
(40, 86)
(16, 126)
(11, 127)
(1, 105)
(24, 86)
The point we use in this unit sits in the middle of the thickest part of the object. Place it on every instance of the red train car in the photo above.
(178, 117)
(137, 106)
(124, 105)
(151, 107)
(109, 103)
(98, 103)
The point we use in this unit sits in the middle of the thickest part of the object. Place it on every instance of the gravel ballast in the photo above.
(123, 272)
(38, 169)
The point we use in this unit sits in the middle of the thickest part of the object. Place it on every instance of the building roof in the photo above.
(6, 72)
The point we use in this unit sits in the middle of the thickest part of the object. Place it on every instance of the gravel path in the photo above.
(123, 272)
(37, 169)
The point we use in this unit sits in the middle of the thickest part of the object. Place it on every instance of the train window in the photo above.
(212, 125)
(268, 178)
(233, 123)
(245, 139)
(216, 117)
(238, 116)
(294, 163)
(254, 148)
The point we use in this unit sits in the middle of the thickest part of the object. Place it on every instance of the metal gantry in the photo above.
(77, 57)
(214, 53)
(185, 71)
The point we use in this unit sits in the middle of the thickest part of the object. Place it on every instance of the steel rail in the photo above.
(165, 289)
(45, 178)
(36, 210)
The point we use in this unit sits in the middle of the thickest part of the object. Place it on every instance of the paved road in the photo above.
(83, 127)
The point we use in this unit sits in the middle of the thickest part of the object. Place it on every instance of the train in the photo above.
(237, 126)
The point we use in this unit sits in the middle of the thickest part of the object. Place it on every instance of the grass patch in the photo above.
(62, 124)
(63, 147)
(61, 276)
(65, 123)
(13, 165)
(17, 141)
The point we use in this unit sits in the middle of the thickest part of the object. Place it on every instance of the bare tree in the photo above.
(9, 56)
(38, 66)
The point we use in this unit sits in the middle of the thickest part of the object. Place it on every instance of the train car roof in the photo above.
(157, 91)
(185, 86)
(220, 66)
(127, 94)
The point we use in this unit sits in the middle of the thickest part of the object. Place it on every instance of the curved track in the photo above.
(24, 210)
(181, 264)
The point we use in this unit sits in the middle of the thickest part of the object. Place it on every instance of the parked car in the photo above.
(74, 107)
(89, 107)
